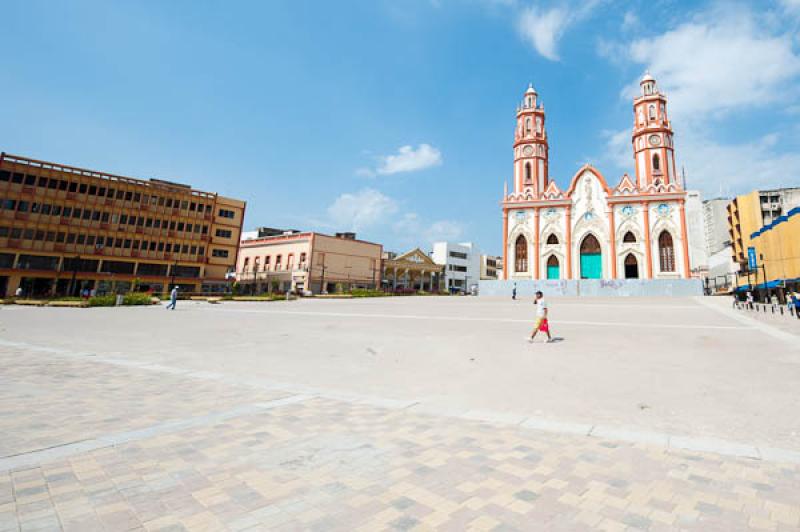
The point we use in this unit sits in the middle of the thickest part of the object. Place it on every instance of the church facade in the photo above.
(592, 230)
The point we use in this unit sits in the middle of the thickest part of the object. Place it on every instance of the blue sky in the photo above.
(395, 118)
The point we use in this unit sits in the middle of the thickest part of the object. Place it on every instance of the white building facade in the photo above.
(635, 230)
(462, 263)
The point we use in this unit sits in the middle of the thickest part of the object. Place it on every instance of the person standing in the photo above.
(541, 318)
(18, 292)
(514, 292)
(173, 298)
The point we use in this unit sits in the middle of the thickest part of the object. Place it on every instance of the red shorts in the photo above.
(541, 325)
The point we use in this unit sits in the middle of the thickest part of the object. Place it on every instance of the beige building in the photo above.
(413, 270)
(307, 261)
(491, 267)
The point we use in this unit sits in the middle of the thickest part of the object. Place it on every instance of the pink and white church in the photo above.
(591, 230)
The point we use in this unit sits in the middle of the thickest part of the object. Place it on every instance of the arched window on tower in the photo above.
(527, 126)
(521, 254)
(656, 163)
(629, 237)
(528, 176)
(666, 252)
(552, 239)
(652, 112)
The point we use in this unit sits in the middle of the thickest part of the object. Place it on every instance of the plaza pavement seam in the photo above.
(39, 456)
(668, 441)
(468, 318)
(792, 339)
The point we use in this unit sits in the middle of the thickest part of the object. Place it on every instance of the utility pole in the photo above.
(76, 258)
(322, 278)
(172, 282)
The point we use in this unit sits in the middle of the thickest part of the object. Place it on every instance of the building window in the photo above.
(656, 162)
(302, 258)
(666, 252)
(224, 213)
(278, 262)
(458, 255)
(552, 239)
(521, 254)
(266, 262)
(223, 233)
(527, 172)
(652, 112)
(629, 237)
(222, 253)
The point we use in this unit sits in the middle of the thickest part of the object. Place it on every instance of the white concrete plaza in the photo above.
(679, 367)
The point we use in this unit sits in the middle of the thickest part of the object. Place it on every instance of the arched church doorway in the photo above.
(591, 258)
(631, 267)
(553, 268)
(521, 254)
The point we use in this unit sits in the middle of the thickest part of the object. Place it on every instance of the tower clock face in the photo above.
(527, 150)
(654, 140)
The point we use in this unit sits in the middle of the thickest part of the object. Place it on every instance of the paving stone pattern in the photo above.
(325, 464)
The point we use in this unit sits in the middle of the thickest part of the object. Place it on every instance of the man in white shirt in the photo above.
(541, 318)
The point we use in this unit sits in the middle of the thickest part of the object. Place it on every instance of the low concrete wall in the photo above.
(595, 287)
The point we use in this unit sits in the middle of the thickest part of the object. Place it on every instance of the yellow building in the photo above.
(64, 230)
(777, 251)
(748, 214)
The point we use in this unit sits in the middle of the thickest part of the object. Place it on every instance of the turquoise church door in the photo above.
(553, 270)
(591, 258)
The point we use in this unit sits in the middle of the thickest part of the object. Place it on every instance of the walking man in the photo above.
(173, 298)
(541, 318)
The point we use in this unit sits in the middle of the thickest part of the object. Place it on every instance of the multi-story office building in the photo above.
(696, 234)
(307, 261)
(750, 212)
(64, 229)
(721, 268)
(461, 263)
(491, 267)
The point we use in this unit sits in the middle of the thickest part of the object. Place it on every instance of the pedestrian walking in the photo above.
(750, 300)
(514, 292)
(173, 298)
(796, 302)
(541, 318)
(18, 293)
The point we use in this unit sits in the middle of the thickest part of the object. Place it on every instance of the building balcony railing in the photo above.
(250, 275)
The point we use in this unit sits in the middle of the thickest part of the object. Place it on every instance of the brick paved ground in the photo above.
(92, 440)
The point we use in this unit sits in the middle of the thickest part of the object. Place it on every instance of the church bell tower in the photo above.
(530, 146)
(653, 149)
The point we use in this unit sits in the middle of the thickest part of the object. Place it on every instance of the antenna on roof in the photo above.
(683, 176)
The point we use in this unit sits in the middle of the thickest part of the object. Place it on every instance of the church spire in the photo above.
(530, 146)
(653, 148)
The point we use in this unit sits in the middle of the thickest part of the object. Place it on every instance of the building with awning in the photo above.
(412, 270)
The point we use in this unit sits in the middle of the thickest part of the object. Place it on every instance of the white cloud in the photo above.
(720, 65)
(365, 172)
(720, 62)
(408, 159)
(412, 231)
(543, 28)
(444, 230)
(737, 168)
(630, 20)
(357, 211)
